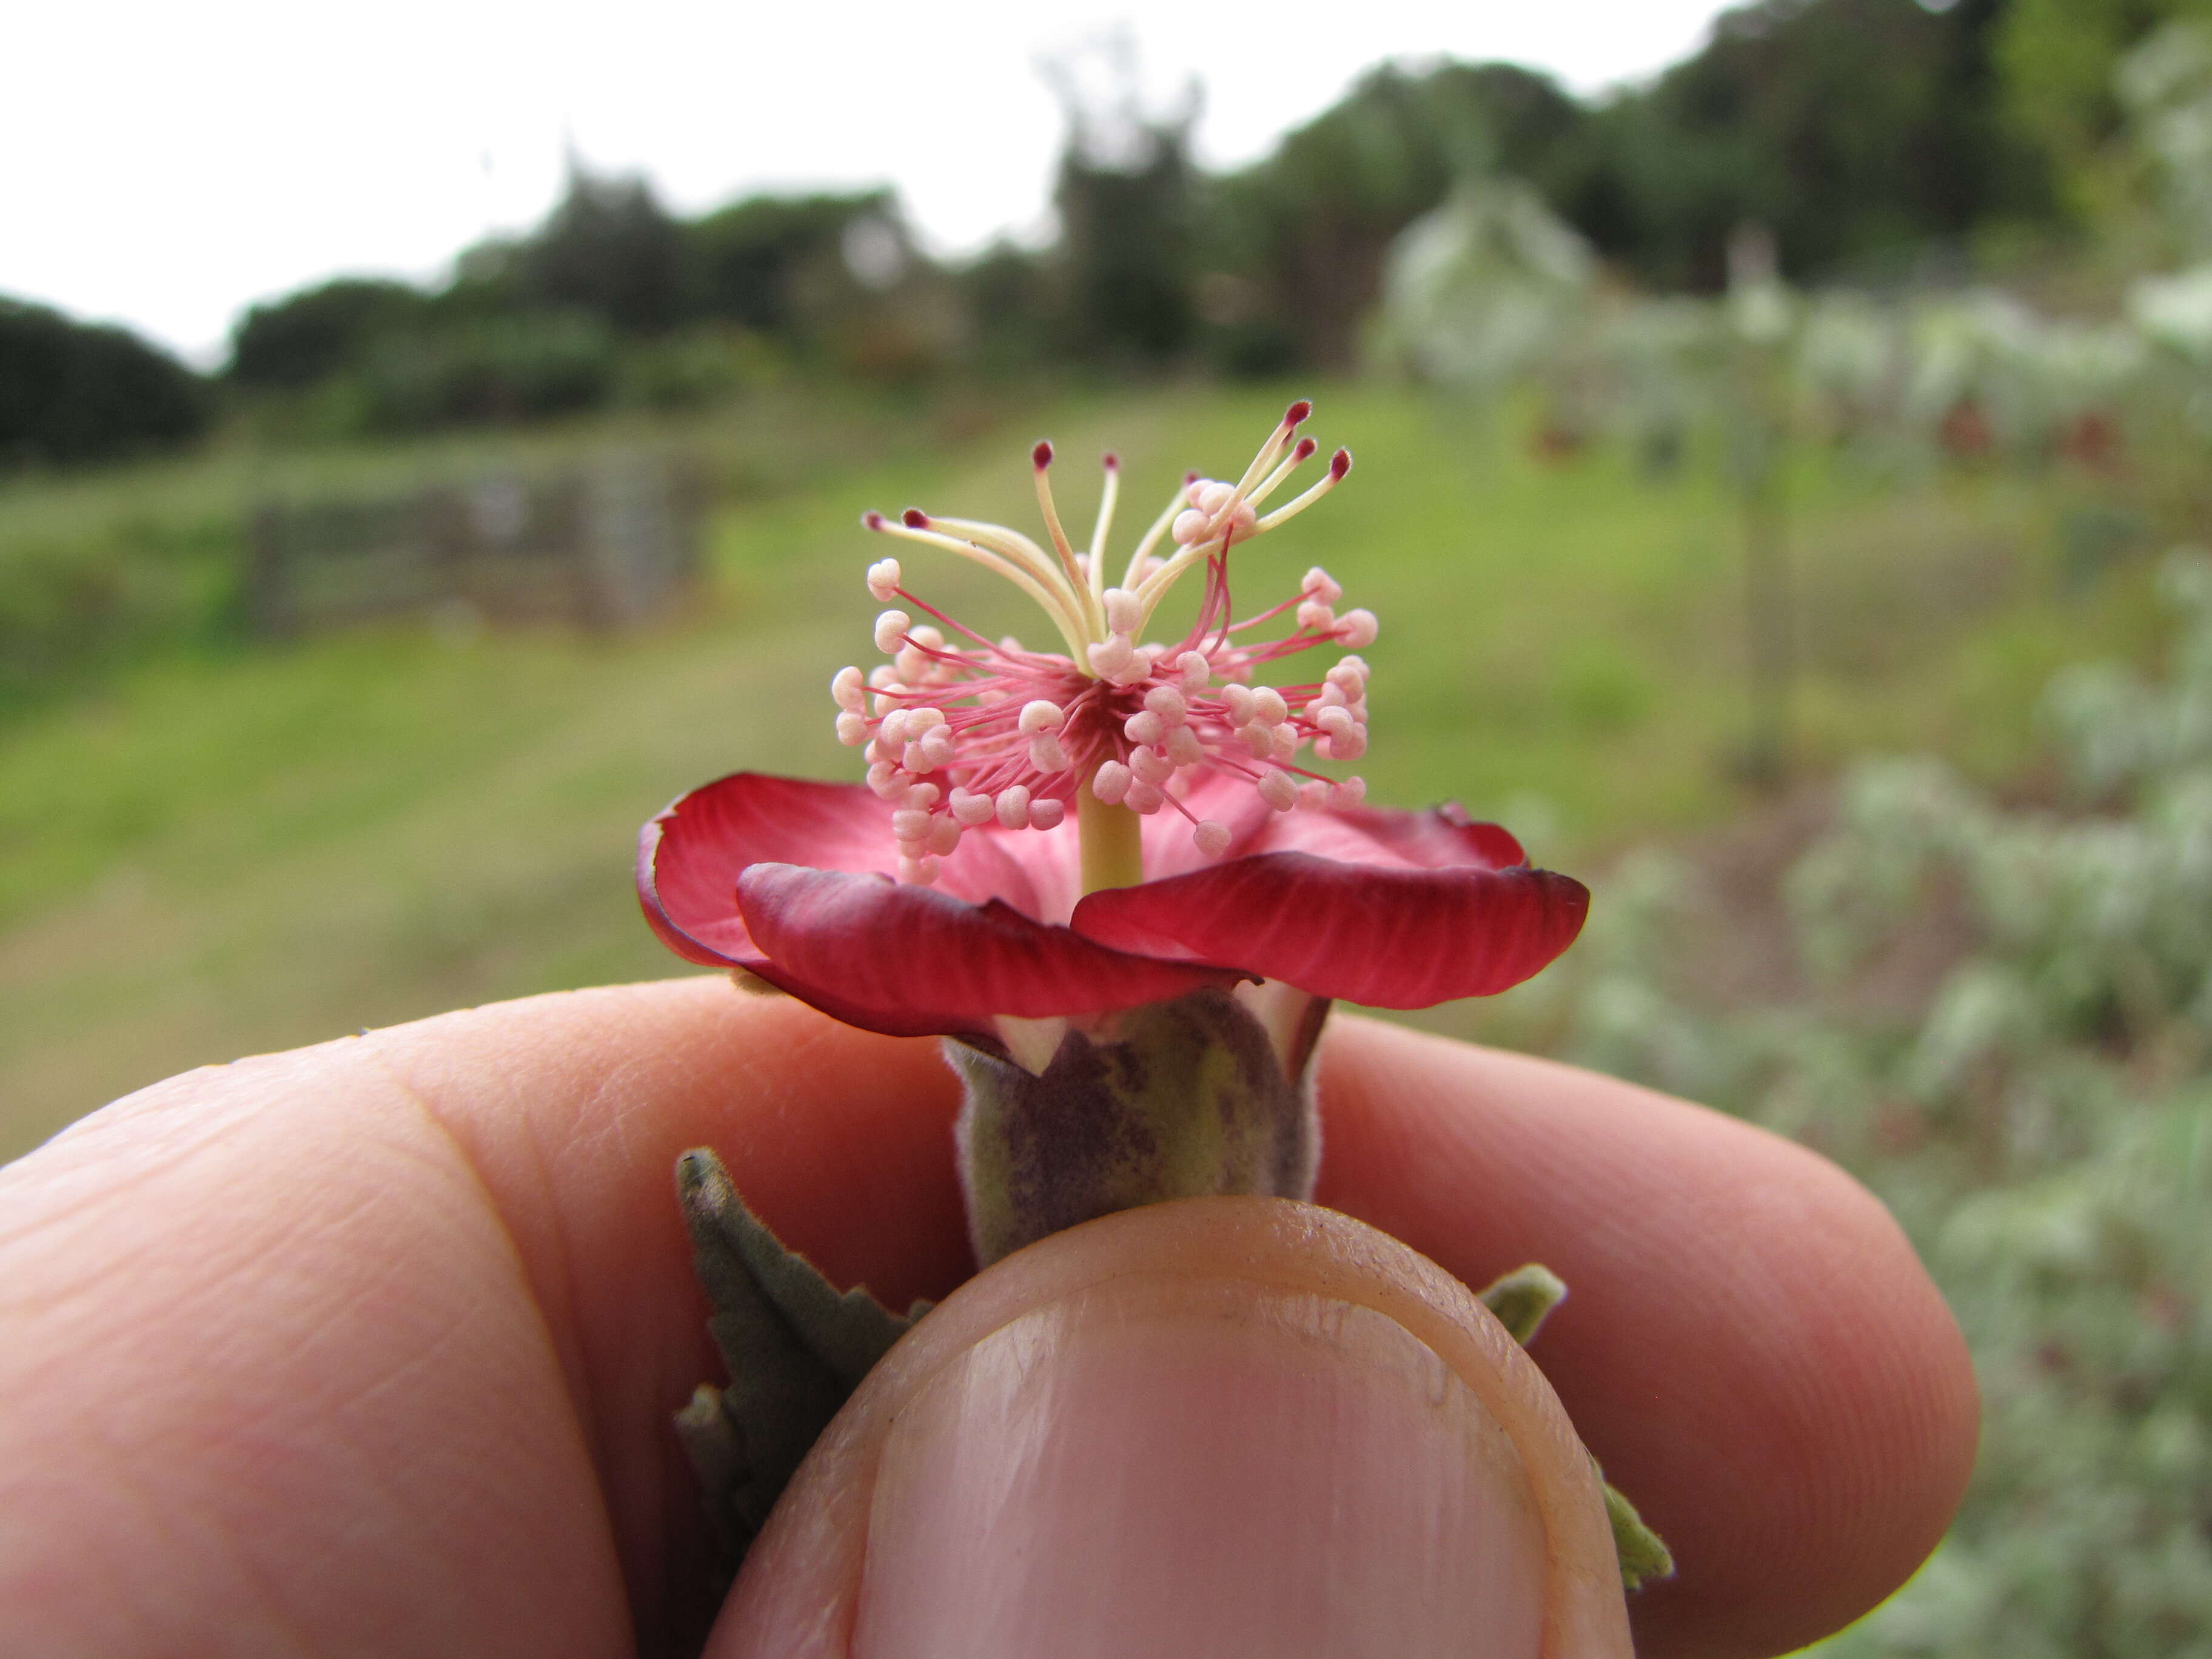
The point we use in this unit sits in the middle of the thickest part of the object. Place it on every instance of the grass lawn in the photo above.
(208, 853)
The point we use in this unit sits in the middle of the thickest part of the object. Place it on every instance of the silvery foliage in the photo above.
(2042, 1125)
(1482, 291)
(2165, 86)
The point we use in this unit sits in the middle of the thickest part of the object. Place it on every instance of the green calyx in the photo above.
(1183, 1099)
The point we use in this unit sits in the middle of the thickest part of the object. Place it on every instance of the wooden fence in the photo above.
(604, 545)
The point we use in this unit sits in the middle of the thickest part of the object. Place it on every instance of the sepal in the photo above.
(796, 1347)
(1185, 1098)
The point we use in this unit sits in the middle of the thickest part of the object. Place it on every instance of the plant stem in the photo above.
(1113, 850)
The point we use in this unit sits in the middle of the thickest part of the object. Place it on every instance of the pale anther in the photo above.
(1151, 765)
(1320, 585)
(1240, 702)
(852, 729)
(1125, 612)
(1145, 726)
(1046, 754)
(1145, 797)
(1169, 704)
(1111, 781)
(910, 824)
(1039, 714)
(1013, 807)
(1111, 656)
(1267, 705)
(918, 872)
(1212, 838)
(970, 808)
(848, 689)
(1197, 672)
(1047, 814)
(1316, 616)
(1357, 627)
(1280, 790)
(1184, 749)
(890, 627)
(944, 836)
(885, 578)
(1350, 792)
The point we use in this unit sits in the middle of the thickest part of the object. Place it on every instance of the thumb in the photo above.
(1224, 1426)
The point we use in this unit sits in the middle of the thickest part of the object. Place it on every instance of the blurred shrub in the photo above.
(698, 368)
(307, 336)
(73, 392)
(490, 370)
(74, 604)
(2042, 1125)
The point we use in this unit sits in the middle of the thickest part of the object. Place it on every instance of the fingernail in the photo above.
(1157, 1466)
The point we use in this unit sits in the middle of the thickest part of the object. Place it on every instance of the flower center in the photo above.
(962, 734)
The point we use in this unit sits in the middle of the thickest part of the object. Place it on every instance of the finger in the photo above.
(1227, 1426)
(275, 1383)
(572, 1109)
(1749, 1345)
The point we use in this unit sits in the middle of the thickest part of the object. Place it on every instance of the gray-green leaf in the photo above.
(795, 1345)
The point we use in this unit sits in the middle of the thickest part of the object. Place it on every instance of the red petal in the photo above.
(909, 961)
(912, 960)
(1413, 909)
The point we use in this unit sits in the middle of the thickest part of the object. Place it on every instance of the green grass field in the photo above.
(220, 849)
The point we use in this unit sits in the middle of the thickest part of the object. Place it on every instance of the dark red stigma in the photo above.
(1339, 463)
(1041, 457)
(915, 518)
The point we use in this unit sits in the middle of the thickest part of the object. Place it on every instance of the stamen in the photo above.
(1095, 564)
(961, 735)
(1041, 464)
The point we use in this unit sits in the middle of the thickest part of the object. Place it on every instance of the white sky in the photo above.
(164, 164)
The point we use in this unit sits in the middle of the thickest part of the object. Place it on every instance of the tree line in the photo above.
(1868, 136)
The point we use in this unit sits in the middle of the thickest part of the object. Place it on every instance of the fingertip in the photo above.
(1750, 1345)
(1225, 1426)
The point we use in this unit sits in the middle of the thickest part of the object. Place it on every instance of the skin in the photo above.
(370, 1347)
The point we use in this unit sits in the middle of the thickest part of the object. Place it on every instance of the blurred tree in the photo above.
(778, 264)
(2056, 59)
(1303, 233)
(309, 335)
(1850, 127)
(607, 249)
(76, 392)
(1125, 197)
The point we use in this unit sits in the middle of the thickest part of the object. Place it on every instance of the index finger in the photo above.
(1751, 1347)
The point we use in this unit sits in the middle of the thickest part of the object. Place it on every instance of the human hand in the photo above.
(371, 1347)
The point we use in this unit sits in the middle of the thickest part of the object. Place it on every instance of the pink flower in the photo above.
(1046, 838)
(793, 881)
